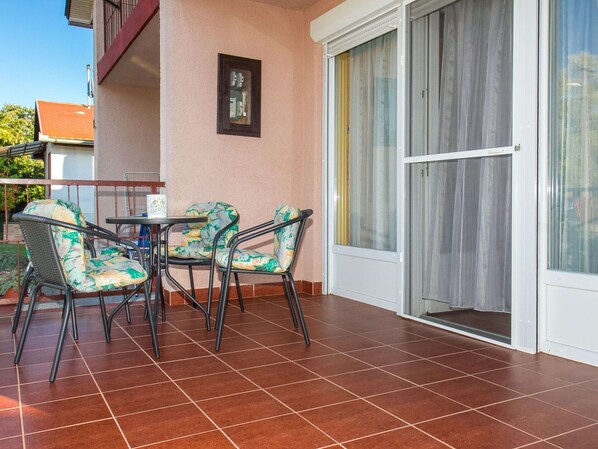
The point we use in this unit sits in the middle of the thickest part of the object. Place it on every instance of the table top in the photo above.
(155, 221)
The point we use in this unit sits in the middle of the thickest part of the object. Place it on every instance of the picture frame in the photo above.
(239, 96)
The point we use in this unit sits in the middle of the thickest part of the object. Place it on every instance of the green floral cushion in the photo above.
(250, 260)
(198, 238)
(284, 239)
(83, 273)
(284, 247)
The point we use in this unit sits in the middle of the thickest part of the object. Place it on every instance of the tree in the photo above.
(16, 124)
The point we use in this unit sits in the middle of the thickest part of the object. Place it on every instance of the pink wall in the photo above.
(254, 174)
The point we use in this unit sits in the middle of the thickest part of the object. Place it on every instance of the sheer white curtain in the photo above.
(468, 260)
(372, 144)
(574, 159)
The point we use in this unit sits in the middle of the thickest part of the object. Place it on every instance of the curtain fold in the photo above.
(372, 144)
(468, 262)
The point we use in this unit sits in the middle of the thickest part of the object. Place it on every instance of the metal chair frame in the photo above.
(45, 261)
(287, 276)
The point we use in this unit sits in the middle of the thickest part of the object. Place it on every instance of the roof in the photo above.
(64, 121)
(34, 149)
(79, 12)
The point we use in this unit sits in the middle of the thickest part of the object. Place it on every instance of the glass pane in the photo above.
(573, 218)
(366, 136)
(461, 78)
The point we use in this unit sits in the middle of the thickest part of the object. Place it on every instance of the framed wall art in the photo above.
(239, 96)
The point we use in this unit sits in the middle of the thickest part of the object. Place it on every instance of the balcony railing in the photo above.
(98, 200)
(116, 13)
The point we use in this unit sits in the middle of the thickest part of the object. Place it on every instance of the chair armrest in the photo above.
(249, 230)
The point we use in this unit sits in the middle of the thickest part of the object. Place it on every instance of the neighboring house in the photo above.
(447, 147)
(67, 130)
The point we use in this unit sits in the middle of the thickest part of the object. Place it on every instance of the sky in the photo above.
(42, 56)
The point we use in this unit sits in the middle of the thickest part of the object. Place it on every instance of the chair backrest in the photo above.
(287, 239)
(69, 243)
(42, 250)
(219, 215)
(73, 207)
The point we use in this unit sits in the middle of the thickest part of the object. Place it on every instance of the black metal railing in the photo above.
(116, 13)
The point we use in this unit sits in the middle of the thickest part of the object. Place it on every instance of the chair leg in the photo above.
(162, 304)
(69, 306)
(288, 295)
(192, 285)
(211, 286)
(127, 308)
(239, 295)
(74, 315)
(152, 323)
(299, 311)
(22, 293)
(23, 336)
(104, 318)
(221, 309)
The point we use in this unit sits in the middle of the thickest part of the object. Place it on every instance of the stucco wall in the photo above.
(254, 174)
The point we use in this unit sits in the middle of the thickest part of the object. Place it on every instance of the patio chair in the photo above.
(199, 242)
(105, 252)
(56, 246)
(287, 228)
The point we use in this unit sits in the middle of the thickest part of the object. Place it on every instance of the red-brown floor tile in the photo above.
(260, 327)
(7, 346)
(422, 371)
(31, 357)
(563, 369)
(391, 336)
(231, 344)
(310, 394)
(579, 439)
(96, 435)
(118, 361)
(522, 380)
(471, 430)
(10, 423)
(172, 338)
(472, 392)
(382, 356)
(206, 440)
(427, 348)
(406, 437)
(179, 352)
(318, 330)
(215, 385)
(349, 343)
(8, 376)
(163, 424)
(103, 348)
(466, 343)
(41, 371)
(12, 443)
(536, 417)
(351, 420)
(242, 408)
(298, 434)
(279, 374)
(469, 362)
(92, 336)
(416, 404)
(200, 366)
(590, 385)
(298, 351)
(278, 338)
(9, 397)
(63, 388)
(330, 365)
(369, 382)
(575, 399)
(144, 398)
(251, 358)
(129, 377)
(510, 356)
(66, 412)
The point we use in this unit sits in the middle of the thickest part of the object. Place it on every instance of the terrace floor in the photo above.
(369, 380)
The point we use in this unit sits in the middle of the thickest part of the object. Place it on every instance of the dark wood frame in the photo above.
(230, 97)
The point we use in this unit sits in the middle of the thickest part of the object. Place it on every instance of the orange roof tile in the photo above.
(65, 120)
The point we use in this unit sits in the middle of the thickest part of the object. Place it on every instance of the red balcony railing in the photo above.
(116, 13)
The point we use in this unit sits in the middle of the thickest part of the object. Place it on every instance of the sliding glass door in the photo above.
(460, 163)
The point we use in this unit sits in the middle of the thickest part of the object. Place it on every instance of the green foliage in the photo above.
(16, 124)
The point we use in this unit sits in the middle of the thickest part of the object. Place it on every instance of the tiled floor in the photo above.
(369, 380)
